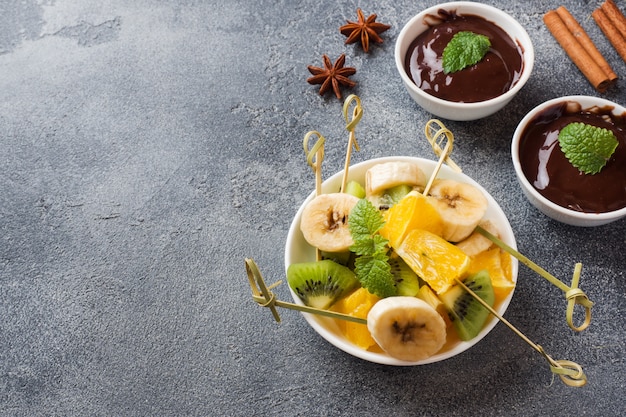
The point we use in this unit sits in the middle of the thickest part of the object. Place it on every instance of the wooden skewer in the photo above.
(351, 123)
(569, 372)
(315, 156)
(573, 294)
(265, 298)
(436, 139)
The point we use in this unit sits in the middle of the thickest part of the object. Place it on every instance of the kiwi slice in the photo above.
(397, 193)
(467, 314)
(405, 279)
(355, 189)
(393, 195)
(319, 284)
(342, 258)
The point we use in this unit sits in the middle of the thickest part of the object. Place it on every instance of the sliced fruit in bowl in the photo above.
(408, 328)
(466, 313)
(412, 212)
(434, 259)
(321, 284)
(358, 304)
(411, 222)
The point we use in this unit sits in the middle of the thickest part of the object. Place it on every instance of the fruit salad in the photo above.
(386, 252)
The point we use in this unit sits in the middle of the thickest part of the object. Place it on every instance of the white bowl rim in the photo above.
(582, 100)
(526, 43)
(343, 344)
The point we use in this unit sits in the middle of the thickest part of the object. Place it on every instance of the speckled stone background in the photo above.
(148, 147)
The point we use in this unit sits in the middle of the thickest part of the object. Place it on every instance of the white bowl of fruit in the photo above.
(404, 279)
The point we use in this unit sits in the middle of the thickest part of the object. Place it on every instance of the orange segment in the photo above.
(357, 304)
(435, 260)
(412, 212)
(507, 264)
(498, 264)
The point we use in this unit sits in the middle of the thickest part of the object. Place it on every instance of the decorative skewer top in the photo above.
(315, 156)
(351, 122)
(436, 138)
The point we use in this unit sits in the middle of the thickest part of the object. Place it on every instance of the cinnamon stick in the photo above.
(581, 36)
(606, 24)
(615, 15)
(577, 53)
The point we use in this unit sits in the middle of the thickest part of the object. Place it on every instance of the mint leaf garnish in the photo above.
(587, 147)
(364, 222)
(369, 246)
(463, 50)
(372, 264)
(374, 273)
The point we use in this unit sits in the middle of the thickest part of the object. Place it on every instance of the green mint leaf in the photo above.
(464, 49)
(587, 147)
(369, 245)
(375, 275)
(372, 264)
(380, 243)
(364, 221)
(363, 247)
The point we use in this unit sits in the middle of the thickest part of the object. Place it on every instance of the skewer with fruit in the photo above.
(406, 262)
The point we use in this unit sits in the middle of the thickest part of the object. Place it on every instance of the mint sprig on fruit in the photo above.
(587, 147)
(464, 49)
(372, 264)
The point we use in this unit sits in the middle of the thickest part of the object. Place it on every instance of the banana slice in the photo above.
(386, 175)
(461, 206)
(324, 222)
(477, 243)
(407, 328)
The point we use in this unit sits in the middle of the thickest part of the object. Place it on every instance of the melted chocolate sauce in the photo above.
(548, 170)
(494, 75)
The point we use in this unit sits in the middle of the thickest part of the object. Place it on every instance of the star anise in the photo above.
(363, 30)
(332, 75)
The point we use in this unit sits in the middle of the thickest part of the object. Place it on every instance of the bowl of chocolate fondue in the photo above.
(478, 90)
(545, 157)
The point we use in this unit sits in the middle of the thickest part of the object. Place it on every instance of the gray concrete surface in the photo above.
(148, 147)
